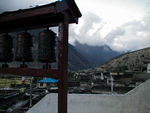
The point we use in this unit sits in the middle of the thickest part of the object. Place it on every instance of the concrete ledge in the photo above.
(135, 101)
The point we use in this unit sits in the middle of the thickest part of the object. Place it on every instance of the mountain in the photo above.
(76, 61)
(96, 54)
(132, 61)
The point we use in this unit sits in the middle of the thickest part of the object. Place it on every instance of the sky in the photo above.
(124, 25)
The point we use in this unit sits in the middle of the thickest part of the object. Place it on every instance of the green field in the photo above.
(6, 82)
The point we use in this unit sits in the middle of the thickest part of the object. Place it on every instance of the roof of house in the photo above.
(48, 80)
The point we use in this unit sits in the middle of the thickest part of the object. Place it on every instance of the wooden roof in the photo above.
(41, 16)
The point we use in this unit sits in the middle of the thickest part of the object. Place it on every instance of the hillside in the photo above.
(133, 61)
(125, 71)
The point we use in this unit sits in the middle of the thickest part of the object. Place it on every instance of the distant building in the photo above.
(47, 83)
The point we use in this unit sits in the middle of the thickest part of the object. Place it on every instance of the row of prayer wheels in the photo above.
(24, 45)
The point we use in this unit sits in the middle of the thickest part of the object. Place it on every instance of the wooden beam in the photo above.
(16, 15)
(53, 73)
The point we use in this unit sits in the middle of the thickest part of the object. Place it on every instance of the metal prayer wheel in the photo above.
(6, 45)
(46, 47)
(24, 47)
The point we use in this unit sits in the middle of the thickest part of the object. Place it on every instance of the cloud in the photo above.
(89, 20)
(130, 36)
(122, 25)
(88, 31)
(114, 35)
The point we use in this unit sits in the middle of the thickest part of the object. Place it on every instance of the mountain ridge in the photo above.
(96, 54)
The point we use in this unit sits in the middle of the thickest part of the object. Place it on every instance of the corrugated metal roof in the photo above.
(48, 80)
(13, 5)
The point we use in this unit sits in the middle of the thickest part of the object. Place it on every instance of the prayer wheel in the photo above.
(24, 47)
(6, 45)
(46, 47)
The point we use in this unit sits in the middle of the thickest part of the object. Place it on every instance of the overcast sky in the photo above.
(122, 24)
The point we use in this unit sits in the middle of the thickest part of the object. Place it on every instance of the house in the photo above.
(47, 83)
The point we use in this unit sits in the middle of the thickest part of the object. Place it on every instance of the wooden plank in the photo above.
(27, 13)
(53, 73)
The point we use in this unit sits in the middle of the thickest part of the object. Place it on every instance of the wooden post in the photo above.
(63, 65)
